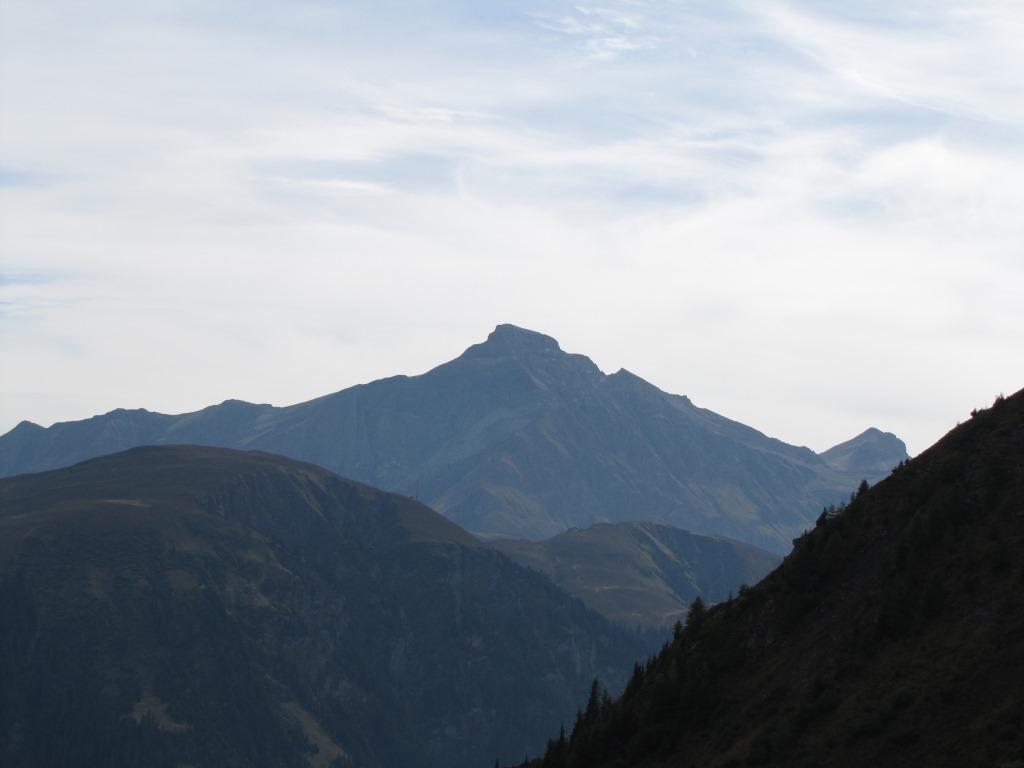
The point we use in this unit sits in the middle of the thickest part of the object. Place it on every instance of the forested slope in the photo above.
(891, 636)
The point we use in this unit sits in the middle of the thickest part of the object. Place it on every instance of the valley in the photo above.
(193, 596)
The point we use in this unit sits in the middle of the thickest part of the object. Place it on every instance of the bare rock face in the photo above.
(514, 438)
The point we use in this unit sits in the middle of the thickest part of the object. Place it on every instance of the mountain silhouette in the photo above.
(515, 438)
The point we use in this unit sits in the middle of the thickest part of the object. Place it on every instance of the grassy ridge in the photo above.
(198, 606)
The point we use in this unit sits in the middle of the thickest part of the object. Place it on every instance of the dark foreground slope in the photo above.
(642, 574)
(198, 606)
(893, 635)
(515, 438)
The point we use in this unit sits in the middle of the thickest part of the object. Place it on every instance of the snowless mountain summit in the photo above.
(516, 437)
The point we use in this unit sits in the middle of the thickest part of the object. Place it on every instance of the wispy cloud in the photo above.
(950, 58)
(602, 32)
(735, 200)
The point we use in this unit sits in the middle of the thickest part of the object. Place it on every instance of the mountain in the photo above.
(176, 605)
(872, 453)
(890, 636)
(641, 573)
(514, 438)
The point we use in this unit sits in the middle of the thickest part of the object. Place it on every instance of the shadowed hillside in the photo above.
(516, 438)
(196, 606)
(891, 636)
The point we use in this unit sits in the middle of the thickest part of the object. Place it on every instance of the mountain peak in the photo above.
(872, 451)
(512, 343)
(511, 336)
(525, 360)
(27, 426)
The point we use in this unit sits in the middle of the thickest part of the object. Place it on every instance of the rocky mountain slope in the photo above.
(175, 606)
(515, 438)
(890, 636)
(642, 574)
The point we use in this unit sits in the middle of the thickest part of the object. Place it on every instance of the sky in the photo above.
(805, 216)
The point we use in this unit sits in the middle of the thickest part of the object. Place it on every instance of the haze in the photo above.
(805, 217)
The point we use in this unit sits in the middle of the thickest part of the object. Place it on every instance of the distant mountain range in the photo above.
(173, 606)
(890, 636)
(642, 574)
(516, 438)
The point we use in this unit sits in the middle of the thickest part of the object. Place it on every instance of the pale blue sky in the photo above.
(804, 215)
